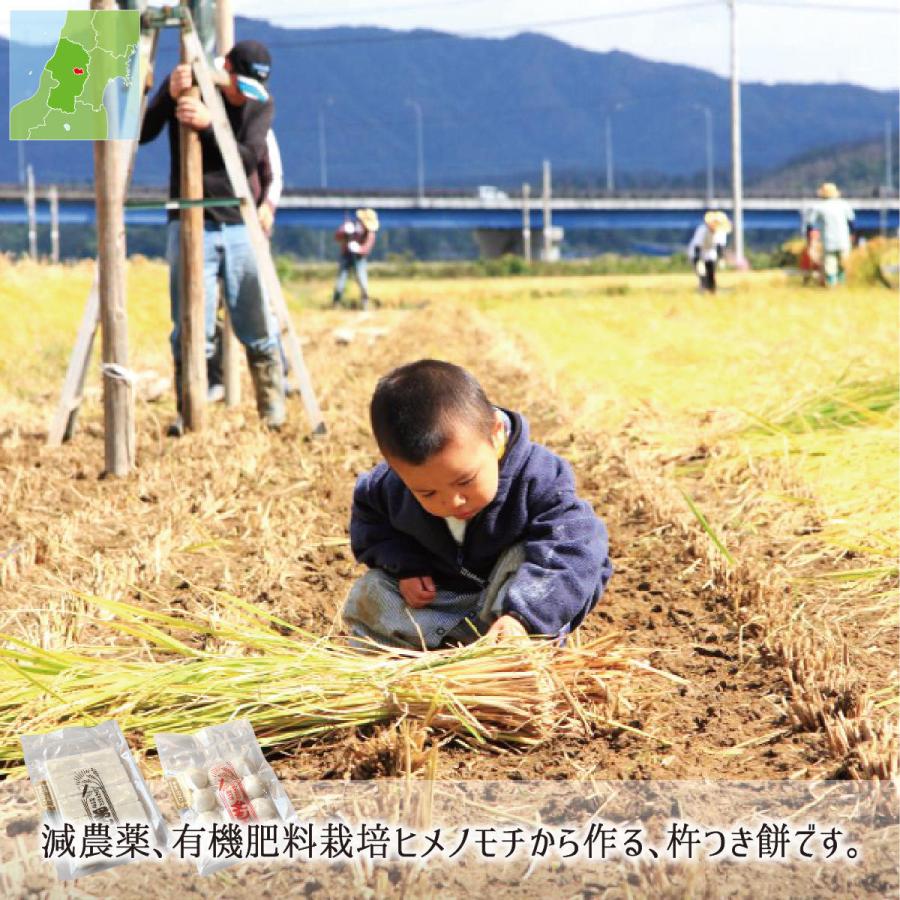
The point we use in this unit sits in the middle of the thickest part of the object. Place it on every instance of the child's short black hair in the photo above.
(414, 407)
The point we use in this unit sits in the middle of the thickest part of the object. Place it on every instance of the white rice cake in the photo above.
(93, 787)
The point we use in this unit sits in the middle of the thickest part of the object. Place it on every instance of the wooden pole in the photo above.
(261, 250)
(231, 356)
(118, 397)
(32, 214)
(53, 197)
(193, 333)
(62, 426)
(526, 222)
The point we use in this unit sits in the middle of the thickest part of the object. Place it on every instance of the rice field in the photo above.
(741, 448)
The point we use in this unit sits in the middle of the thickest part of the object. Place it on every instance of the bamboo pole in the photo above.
(193, 334)
(231, 357)
(118, 397)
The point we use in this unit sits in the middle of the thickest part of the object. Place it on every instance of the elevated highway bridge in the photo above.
(498, 221)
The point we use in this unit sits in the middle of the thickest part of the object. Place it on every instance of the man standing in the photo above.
(227, 250)
(833, 217)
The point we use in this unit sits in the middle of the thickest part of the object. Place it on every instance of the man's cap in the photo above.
(250, 58)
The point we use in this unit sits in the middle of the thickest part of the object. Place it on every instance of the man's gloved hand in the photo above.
(354, 247)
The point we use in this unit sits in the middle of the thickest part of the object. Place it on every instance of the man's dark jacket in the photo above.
(250, 124)
(566, 548)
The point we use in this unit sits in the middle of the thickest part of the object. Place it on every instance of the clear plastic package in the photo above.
(218, 775)
(85, 776)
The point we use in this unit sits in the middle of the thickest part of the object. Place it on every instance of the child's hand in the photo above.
(417, 592)
(506, 628)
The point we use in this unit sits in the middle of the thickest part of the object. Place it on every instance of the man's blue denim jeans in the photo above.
(227, 253)
(357, 264)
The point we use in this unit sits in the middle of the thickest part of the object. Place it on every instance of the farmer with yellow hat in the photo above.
(707, 247)
(833, 217)
(356, 238)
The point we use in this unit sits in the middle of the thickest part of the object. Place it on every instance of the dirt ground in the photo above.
(265, 517)
(278, 506)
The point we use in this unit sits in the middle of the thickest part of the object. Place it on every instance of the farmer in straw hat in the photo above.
(707, 247)
(833, 218)
(356, 239)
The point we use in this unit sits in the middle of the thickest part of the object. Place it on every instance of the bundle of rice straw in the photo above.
(291, 684)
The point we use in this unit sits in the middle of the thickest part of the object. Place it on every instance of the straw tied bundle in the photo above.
(292, 684)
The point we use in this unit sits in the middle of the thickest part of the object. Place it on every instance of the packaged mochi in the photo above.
(85, 776)
(218, 775)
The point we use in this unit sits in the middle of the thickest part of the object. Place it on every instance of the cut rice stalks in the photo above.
(291, 684)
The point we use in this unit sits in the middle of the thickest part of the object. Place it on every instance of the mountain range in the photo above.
(492, 110)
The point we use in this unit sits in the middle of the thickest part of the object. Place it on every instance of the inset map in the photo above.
(73, 75)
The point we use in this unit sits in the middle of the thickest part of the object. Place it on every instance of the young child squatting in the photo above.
(468, 527)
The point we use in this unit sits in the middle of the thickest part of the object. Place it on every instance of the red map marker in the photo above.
(78, 71)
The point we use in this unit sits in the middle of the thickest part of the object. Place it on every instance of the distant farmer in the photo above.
(468, 527)
(833, 218)
(707, 248)
(356, 238)
(228, 252)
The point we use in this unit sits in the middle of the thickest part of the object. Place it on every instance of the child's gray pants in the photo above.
(376, 609)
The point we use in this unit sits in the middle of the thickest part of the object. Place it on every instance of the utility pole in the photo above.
(737, 183)
(420, 158)
(53, 197)
(710, 191)
(888, 165)
(323, 151)
(526, 222)
(231, 372)
(118, 395)
(193, 332)
(548, 224)
(323, 168)
(610, 182)
(32, 212)
(21, 161)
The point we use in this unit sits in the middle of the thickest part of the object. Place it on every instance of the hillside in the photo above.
(858, 169)
(493, 109)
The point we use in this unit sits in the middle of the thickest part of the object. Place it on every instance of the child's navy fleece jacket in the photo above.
(566, 547)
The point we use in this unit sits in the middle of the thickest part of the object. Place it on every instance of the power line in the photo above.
(422, 35)
(824, 7)
(369, 10)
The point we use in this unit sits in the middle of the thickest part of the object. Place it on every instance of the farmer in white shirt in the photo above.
(834, 219)
(707, 248)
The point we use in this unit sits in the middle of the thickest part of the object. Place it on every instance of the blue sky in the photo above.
(781, 40)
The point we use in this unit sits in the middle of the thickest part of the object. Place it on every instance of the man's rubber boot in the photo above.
(176, 429)
(336, 300)
(268, 384)
(364, 303)
(215, 388)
